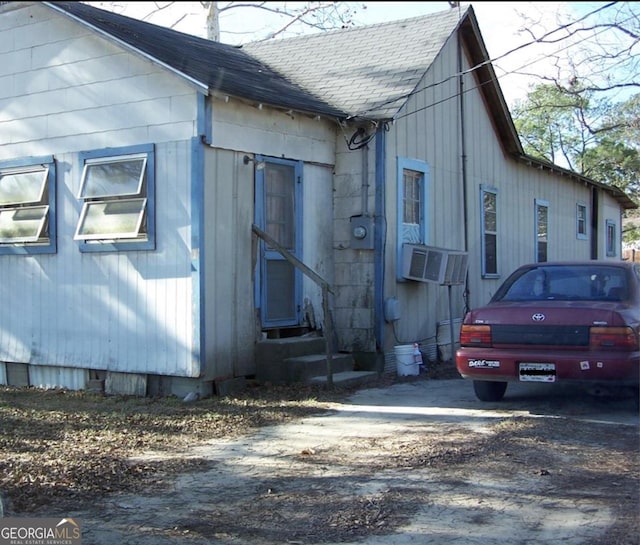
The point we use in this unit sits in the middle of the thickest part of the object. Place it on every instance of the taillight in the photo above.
(475, 335)
(613, 338)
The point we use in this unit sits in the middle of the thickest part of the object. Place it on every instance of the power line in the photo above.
(456, 75)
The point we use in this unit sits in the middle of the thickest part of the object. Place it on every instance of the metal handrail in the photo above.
(326, 289)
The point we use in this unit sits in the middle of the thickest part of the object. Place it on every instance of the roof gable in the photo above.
(366, 71)
(370, 72)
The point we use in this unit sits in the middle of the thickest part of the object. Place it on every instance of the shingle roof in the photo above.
(361, 72)
(220, 67)
(367, 71)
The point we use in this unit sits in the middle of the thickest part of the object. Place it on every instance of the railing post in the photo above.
(328, 324)
(328, 334)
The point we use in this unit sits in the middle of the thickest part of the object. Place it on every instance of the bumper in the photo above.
(616, 368)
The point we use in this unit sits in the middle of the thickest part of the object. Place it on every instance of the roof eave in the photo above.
(202, 87)
(339, 117)
(471, 39)
(625, 201)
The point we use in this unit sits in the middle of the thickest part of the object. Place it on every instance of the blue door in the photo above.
(278, 213)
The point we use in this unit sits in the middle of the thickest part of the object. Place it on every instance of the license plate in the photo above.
(538, 372)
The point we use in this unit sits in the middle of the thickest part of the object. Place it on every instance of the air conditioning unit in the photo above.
(431, 264)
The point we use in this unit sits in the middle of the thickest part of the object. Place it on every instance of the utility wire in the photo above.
(491, 61)
(472, 69)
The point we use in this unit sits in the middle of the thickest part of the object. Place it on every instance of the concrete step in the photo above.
(275, 350)
(272, 353)
(304, 360)
(347, 378)
(302, 368)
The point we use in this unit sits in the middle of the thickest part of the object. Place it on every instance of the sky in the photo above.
(501, 24)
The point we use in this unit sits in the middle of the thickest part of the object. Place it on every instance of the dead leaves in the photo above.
(59, 446)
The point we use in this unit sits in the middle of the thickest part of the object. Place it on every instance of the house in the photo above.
(168, 203)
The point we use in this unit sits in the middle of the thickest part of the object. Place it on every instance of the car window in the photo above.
(569, 283)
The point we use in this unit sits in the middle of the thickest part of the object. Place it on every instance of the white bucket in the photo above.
(404, 360)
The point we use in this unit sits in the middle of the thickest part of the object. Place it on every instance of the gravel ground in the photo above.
(406, 460)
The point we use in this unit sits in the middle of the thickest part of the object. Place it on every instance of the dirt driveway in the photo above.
(418, 462)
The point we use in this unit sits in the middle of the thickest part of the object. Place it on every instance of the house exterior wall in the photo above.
(58, 81)
(317, 235)
(354, 195)
(428, 130)
(129, 311)
(252, 128)
(121, 311)
(519, 186)
(609, 212)
(229, 321)
(425, 131)
(238, 130)
(185, 309)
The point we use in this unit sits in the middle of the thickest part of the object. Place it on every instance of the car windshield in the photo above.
(566, 283)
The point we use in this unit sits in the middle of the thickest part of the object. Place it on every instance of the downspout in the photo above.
(463, 151)
(365, 181)
(595, 234)
(198, 145)
(379, 234)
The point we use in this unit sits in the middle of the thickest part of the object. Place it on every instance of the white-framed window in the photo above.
(611, 238)
(117, 196)
(412, 215)
(412, 197)
(412, 200)
(489, 230)
(541, 216)
(581, 221)
(27, 206)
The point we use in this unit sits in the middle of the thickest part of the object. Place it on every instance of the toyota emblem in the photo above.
(538, 317)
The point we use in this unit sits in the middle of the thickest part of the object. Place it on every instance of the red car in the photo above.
(553, 322)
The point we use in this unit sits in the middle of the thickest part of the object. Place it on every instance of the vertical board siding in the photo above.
(65, 89)
(609, 210)
(317, 218)
(429, 128)
(243, 321)
(518, 186)
(42, 376)
(126, 311)
(222, 241)
(231, 325)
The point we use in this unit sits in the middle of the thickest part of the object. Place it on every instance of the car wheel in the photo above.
(487, 390)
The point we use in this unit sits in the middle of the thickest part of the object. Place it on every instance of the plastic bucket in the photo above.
(404, 360)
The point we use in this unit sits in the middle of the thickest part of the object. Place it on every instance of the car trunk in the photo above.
(545, 323)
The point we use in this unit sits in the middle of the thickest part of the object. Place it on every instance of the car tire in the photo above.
(487, 390)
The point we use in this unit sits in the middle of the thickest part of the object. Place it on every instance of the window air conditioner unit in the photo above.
(430, 264)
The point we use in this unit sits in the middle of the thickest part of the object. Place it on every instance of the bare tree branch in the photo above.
(321, 16)
(602, 54)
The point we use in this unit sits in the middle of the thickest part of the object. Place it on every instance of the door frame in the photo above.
(265, 254)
